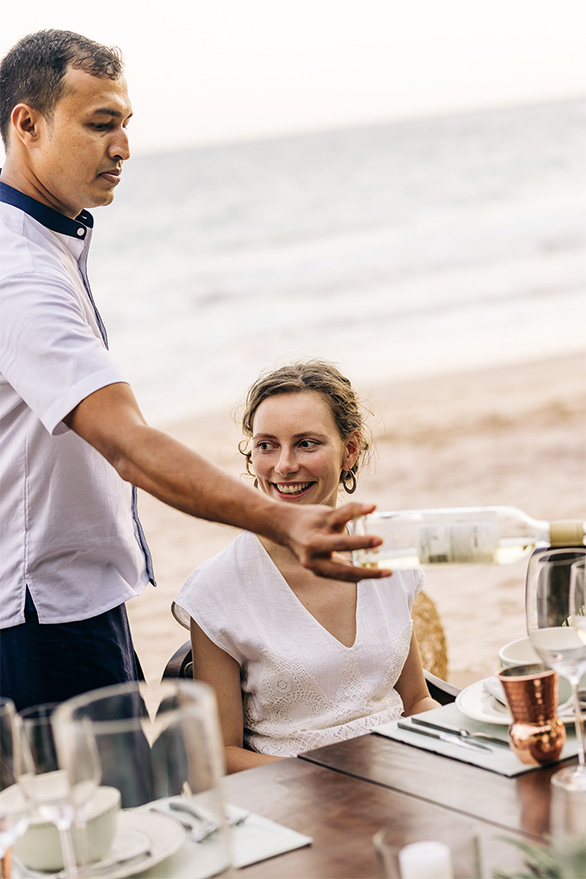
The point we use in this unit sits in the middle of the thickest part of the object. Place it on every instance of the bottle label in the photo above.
(460, 543)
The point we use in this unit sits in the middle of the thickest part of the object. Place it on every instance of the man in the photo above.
(73, 442)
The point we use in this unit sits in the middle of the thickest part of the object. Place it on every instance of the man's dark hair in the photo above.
(34, 69)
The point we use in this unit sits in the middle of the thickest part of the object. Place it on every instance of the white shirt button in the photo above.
(81, 232)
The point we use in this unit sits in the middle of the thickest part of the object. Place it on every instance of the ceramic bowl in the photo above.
(521, 652)
(40, 848)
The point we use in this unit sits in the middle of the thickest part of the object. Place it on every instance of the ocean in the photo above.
(396, 250)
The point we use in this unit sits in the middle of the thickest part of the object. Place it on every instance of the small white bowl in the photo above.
(521, 652)
(40, 848)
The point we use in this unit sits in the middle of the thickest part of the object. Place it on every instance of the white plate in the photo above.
(163, 837)
(477, 703)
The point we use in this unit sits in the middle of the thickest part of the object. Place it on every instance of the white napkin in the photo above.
(494, 687)
(256, 839)
(260, 838)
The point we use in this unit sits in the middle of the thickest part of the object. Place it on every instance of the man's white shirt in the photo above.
(66, 527)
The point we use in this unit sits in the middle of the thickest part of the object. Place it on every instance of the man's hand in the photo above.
(315, 533)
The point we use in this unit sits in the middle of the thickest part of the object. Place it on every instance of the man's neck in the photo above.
(25, 181)
(12, 177)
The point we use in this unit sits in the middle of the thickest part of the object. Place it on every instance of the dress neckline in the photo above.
(308, 613)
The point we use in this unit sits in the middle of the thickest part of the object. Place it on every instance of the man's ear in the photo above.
(26, 124)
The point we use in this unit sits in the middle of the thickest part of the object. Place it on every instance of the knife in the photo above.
(444, 737)
(461, 733)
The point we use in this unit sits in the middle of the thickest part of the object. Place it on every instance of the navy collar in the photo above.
(47, 216)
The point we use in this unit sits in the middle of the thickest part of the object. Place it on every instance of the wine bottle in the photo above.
(458, 536)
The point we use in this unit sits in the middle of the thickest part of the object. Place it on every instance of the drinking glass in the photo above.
(44, 781)
(78, 756)
(549, 613)
(577, 619)
(158, 744)
(14, 807)
(567, 809)
(578, 598)
(420, 847)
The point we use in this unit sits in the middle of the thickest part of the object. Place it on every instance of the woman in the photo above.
(298, 661)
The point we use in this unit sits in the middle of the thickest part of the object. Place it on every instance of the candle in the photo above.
(426, 860)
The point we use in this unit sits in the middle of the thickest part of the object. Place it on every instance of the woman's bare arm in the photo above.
(215, 667)
(411, 685)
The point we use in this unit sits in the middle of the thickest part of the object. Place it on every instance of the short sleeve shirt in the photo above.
(66, 526)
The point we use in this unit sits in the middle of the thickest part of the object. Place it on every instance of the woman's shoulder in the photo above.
(233, 561)
(208, 583)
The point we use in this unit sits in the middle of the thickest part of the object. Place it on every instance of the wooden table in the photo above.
(521, 804)
(342, 813)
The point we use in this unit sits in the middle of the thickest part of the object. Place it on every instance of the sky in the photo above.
(209, 71)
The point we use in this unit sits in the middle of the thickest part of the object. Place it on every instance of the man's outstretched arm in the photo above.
(111, 421)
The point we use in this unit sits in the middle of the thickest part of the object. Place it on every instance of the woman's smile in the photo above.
(292, 489)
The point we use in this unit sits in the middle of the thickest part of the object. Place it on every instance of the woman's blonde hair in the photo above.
(310, 375)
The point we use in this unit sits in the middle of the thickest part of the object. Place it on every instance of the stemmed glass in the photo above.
(14, 807)
(56, 787)
(549, 616)
(577, 620)
(78, 755)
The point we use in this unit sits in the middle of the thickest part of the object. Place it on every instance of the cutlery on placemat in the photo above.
(461, 732)
(232, 821)
(206, 827)
(196, 832)
(187, 825)
(445, 737)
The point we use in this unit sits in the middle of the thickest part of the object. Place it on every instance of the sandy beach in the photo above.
(512, 435)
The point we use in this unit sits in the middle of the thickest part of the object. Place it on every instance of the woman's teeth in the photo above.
(298, 488)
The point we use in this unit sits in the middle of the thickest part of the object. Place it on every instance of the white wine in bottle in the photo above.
(459, 536)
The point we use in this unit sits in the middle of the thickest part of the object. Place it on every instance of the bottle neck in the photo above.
(567, 532)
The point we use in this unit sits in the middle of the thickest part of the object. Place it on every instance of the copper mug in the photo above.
(536, 735)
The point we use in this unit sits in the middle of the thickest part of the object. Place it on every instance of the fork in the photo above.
(180, 806)
(198, 834)
(461, 731)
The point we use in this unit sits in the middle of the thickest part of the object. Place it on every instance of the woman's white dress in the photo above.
(301, 687)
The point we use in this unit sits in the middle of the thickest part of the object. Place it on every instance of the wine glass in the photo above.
(577, 620)
(549, 615)
(45, 782)
(578, 598)
(78, 755)
(14, 807)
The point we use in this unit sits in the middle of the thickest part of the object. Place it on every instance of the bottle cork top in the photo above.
(566, 532)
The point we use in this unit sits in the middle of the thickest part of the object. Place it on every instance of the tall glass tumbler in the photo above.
(157, 742)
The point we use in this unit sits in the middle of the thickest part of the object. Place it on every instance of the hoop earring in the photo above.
(349, 481)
